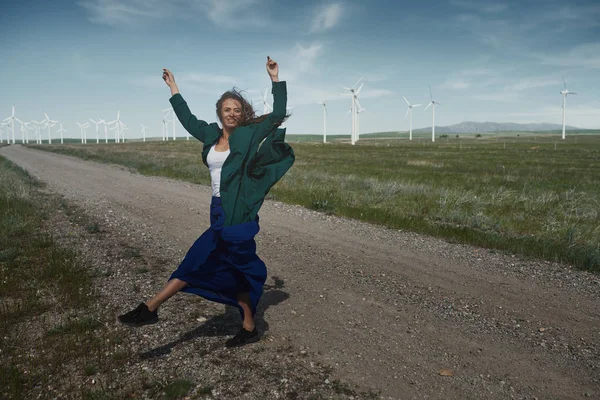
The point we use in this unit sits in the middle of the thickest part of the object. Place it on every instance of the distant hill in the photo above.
(483, 127)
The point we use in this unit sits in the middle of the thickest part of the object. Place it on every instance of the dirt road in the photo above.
(385, 309)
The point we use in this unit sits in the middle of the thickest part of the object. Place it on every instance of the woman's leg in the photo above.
(244, 302)
(174, 286)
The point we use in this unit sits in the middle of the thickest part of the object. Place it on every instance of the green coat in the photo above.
(249, 172)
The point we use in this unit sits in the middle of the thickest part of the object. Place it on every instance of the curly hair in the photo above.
(248, 114)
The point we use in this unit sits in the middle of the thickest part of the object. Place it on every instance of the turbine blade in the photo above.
(406, 101)
(358, 81)
(358, 91)
(407, 111)
(416, 105)
(430, 95)
(428, 105)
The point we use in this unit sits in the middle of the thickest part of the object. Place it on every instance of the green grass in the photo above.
(42, 284)
(178, 388)
(534, 195)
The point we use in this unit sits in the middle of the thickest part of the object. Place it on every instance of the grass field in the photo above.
(534, 195)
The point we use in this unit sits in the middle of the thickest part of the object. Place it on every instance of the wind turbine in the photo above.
(49, 124)
(167, 112)
(432, 104)
(12, 120)
(324, 121)
(36, 127)
(119, 127)
(564, 93)
(25, 131)
(144, 132)
(61, 131)
(2, 125)
(357, 119)
(354, 93)
(97, 123)
(85, 126)
(266, 106)
(81, 131)
(164, 130)
(409, 113)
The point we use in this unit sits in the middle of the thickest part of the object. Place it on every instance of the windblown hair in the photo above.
(248, 114)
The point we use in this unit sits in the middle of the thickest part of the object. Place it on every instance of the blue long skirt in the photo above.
(222, 262)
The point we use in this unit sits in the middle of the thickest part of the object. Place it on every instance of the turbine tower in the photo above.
(432, 104)
(324, 120)
(97, 123)
(266, 106)
(12, 120)
(118, 128)
(36, 126)
(2, 125)
(358, 111)
(167, 112)
(564, 93)
(81, 131)
(409, 114)
(61, 131)
(164, 130)
(144, 132)
(354, 93)
(48, 123)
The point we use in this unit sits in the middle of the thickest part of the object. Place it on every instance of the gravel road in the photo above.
(387, 310)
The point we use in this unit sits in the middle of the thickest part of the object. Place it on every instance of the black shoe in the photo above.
(139, 316)
(243, 337)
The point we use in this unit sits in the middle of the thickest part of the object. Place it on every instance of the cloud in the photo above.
(455, 84)
(327, 17)
(129, 12)
(302, 60)
(583, 116)
(584, 55)
(199, 77)
(232, 13)
(512, 92)
(481, 7)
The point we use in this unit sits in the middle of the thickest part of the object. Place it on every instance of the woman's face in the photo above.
(231, 111)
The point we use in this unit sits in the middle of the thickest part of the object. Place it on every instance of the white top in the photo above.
(215, 160)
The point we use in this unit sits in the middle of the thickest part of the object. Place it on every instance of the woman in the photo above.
(222, 264)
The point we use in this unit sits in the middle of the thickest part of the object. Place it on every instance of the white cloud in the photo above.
(531, 83)
(199, 77)
(116, 12)
(582, 116)
(371, 93)
(234, 14)
(584, 55)
(455, 84)
(327, 17)
(481, 7)
(302, 60)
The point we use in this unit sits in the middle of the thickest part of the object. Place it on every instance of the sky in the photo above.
(499, 61)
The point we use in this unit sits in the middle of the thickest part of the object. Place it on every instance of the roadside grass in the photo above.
(47, 347)
(532, 195)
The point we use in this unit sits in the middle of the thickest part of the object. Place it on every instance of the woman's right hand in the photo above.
(168, 77)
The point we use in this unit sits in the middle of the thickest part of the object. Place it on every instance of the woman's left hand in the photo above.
(273, 69)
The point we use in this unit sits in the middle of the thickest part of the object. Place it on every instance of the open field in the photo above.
(520, 195)
(350, 310)
(64, 276)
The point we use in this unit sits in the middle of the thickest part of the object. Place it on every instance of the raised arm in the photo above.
(279, 91)
(197, 128)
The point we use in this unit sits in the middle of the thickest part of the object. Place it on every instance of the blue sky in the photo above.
(485, 61)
